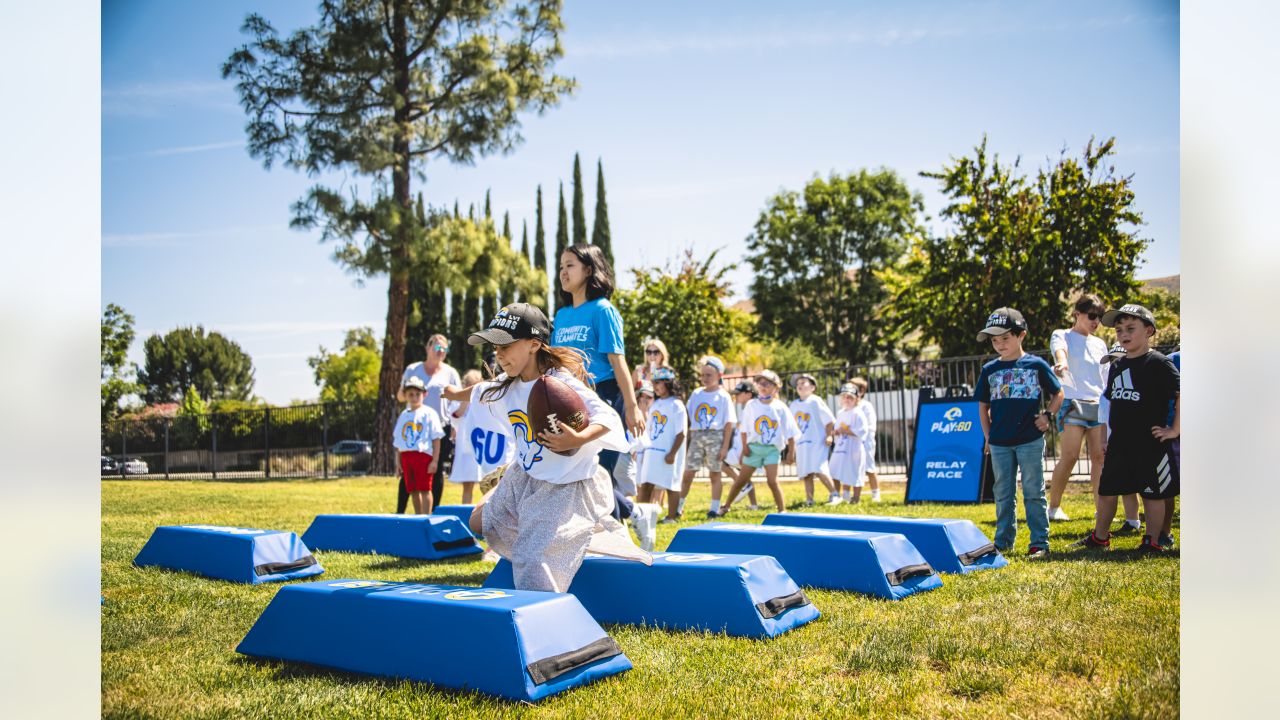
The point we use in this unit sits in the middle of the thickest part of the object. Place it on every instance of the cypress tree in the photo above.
(524, 249)
(457, 340)
(488, 210)
(540, 244)
(600, 233)
(579, 217)
(455, 209)
(562, 242)
(472, 323)
(506, 293)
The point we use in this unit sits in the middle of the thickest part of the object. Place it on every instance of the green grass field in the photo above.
(1088, 636)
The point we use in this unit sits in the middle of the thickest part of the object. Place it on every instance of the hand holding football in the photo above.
(553, 405)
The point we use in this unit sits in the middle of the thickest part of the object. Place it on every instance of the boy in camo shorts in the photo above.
(712, 417)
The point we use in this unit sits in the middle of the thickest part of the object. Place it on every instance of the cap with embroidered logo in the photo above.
(1001, 321)
(1115, 353)
(1110, 317)
(769, 375)
(415, 383)
(714, 362)
(743, 387)
(795, 379)
(664, 373)
(646, 389)
(849, 389)
(517, 321)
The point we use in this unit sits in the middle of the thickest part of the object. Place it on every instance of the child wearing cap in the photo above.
(1010, 393)
(548, 509)
(666, 425)
(417, 436)
(848, 457)
(743, 393)
(767, 429)
(868, 410)
(712, 418)
(1140, 387)
(1132, 524)
(816, 423)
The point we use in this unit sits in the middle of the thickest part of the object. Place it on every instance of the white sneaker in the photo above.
(875, 497)
(490, 556)
(1056, 515)
(753, 507)
(837, 500)
(746, 489)
(644, 520)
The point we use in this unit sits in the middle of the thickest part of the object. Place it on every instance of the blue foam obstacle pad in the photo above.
(427, 537)
(516, 644)
(886, 565)
(247, 555)
(948, 544)
(462, 512)
(742, 595)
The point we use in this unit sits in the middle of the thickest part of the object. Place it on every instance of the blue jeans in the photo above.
(1005, 461)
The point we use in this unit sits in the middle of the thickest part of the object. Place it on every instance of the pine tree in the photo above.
(562, 242)
(579, 217)
(600, 235)
(540, 244)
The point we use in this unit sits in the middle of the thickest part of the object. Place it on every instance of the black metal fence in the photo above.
(333, 439)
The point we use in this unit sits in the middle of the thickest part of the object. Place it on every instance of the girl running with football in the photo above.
(553, 502)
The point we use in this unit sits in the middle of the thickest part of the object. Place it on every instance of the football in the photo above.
(552, 403)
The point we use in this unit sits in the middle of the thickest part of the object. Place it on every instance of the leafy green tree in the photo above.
(183, 358)
(380, 89)
(683, 308)
(562, 242)
(1027, 243)
(351, 373)
(814, 255)
(600, 235)
(579, 212)
(117, 377)
(193, 420)
(540, 247)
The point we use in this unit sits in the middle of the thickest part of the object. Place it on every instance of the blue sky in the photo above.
(700, 111)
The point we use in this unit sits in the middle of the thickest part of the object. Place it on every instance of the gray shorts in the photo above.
(704, 450)
(545, 529)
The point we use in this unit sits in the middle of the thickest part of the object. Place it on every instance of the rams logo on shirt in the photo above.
(529, 449)
(657, 422)
(410, 432)
(767, 428)
(705, 416)
(802, 419)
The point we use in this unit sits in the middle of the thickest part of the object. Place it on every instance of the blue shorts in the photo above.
(1067, 415)
(760, 454)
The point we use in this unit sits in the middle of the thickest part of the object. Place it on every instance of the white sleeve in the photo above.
(790, 427)
(1057, 341)
(598, 413)
(437, 426)
(824, 413)
(731, 416)
(683, 427)
(858, 425)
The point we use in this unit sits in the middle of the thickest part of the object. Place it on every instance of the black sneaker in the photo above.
(1126, 529)
(712, 514)
(1037, 553)
(1149, 547)
(1167, 542)
(1091, 542)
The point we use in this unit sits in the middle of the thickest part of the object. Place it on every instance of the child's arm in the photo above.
(791, 450)
(435, 456)
(831, 432)
(633, 419)
(459, 394)
(1173, 431)
(726, 442)
(1055, 403)
(671, 454)
(984, 419)
(568, 439)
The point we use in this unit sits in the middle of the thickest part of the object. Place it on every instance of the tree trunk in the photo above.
(383, 461)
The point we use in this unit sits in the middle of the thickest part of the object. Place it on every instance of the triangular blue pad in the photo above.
(886, 565)
(427, 537)
(742, 595)
(516, 644)
(247, 555)
(948, 544)
(462, 512)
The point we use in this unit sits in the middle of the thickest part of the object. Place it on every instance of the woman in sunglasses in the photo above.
(655, 356)
(436, 375)
(1077, 361)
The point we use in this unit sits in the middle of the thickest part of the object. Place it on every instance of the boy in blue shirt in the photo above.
(1010, 391)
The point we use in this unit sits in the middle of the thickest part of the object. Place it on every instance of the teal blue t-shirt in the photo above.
(595, 327)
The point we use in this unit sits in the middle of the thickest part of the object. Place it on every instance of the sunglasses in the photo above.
(1093, 316)
(652, 351)
(440, 348)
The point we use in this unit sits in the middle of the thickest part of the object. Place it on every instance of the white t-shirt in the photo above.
(416, 429)
(540, 463)
(812, 416)
(855, 421)
(711, 409)
(483, 443)
(769, 423)
(735, 445)
(869, 413)
(1086, 375)
(444, 376)
(667, 419)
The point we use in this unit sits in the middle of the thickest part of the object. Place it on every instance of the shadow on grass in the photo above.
(286, 670)
(1125, 555)
(405, 563)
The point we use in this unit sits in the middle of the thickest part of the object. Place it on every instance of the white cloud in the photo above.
(164, 239)
(148, 99)
(186, 149)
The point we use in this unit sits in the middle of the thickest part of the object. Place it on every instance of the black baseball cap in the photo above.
(517, 321)
(744, 386)
(1133, 310)
(1002, 321)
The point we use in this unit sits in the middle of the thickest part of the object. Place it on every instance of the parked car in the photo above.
(136, 466)
(351, 447)
(110, 466)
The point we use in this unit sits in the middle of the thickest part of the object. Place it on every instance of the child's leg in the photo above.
(687, 483)
(1166, 527)
(856, 495)
(1155, 517)
(715, 491)
(1005, 490)
(826, 481)
(1130, 508)
(644, 493)
(426, 502)
(808, 484)
(743, 476)
(416, 497)
(674, 501)
(1106, 512)
(771, 476)
(468, 488)
(875, 485)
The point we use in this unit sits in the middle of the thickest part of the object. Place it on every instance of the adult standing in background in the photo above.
(1077, 361)
(436, 375)
(655, 356)
(588, 322)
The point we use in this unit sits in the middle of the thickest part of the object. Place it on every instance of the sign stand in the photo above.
(947, 463)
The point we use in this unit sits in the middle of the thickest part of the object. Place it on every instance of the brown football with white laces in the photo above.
(552, 403)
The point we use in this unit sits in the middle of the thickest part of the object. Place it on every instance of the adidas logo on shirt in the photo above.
(1122, 387)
